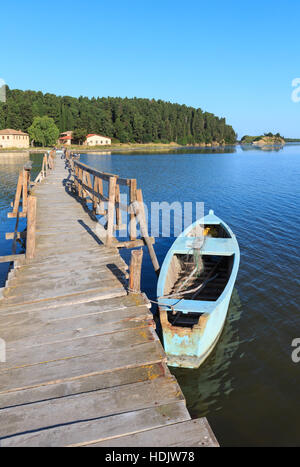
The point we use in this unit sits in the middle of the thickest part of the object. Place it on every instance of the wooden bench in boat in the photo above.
(211, 246)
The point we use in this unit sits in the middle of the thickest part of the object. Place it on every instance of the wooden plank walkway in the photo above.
(84, 366)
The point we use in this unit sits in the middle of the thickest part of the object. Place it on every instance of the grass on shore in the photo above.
(126, 147)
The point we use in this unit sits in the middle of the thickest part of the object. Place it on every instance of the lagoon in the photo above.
(248, 388)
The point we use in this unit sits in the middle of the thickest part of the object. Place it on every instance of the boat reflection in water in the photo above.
(204, 387)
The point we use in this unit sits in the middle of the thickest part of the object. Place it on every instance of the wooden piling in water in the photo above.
(135, 270)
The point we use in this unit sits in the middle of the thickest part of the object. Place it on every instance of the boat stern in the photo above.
(183, 345)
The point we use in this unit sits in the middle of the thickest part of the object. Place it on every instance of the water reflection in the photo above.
(13, 158)
(253, 147)
(203, 386)
(170, 150)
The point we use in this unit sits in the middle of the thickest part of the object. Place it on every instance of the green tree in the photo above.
(43, 131)
(137, 120)
(79, 135)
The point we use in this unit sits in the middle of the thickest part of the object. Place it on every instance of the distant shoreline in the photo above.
(150, 147)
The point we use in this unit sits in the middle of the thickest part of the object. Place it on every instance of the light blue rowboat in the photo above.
(194, 290)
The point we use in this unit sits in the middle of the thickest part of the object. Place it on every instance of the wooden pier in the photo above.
(84, 366)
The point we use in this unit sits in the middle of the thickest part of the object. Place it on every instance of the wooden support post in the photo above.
(135, 271)
(80, 177)
(95, 198)
(31, 223)
(132, 225)
(101, 210)
(111, 210)
(118, 209)
(25, 191)
(18, 193)
(89, 182)
(43, 168)
(15, 237)
(139, 211)
(84, 181)
(45, 163)
(75, 178)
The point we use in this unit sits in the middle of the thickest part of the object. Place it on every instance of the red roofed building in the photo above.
(65, 138)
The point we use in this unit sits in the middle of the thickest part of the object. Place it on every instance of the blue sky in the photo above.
(236, 59)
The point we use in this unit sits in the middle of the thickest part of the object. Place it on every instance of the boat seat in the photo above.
(211, 246)
(188, 306)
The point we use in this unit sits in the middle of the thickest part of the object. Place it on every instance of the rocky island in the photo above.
(268, 139)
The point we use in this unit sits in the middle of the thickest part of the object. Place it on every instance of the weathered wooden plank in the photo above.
(31, 226)
(90, 405)
(191, 433)
(44, 333)
(9, 258)
(85, 432)
(64, 308)
(117, 267)
(16, 326)
(73, 299)
(55, 290)
(92, 272)
(63, 264)
(56, 259)
(84, 383)
(11, 235)
(11, 215)
(75, 346)
(57, 371)
(134, 243)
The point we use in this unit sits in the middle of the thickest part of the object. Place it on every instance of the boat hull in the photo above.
(190, 346)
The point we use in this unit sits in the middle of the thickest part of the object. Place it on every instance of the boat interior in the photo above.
(197, 276)
(211, 230)
(193, 277)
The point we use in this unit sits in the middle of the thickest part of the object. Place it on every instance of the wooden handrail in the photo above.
(23, 195)
(85, 188)
(103, 175)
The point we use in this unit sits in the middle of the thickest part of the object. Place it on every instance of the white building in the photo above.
(97, 140)
(13, 139)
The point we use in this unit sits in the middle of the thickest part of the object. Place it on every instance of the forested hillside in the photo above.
(127, 120)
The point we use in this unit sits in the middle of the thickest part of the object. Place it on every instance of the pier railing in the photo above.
(89, 186)
(24, 206)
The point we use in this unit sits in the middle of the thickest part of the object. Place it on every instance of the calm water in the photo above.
(248, 388)
(10, 166)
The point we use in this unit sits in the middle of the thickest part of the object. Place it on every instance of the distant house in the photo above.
(96, 140)
(13, 139)
(65, 138)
